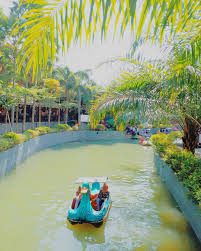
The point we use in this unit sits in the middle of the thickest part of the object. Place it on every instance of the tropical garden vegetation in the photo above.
(159, 91)
(59, 88)
(167, 88)
(185, 165)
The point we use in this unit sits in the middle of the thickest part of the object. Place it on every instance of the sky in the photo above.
(96, 53)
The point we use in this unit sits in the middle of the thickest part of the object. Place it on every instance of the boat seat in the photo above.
(95, 187)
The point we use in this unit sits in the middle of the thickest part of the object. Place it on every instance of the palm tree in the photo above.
(50, 24)
(156, 91)
(54, 88)
(82, 79)
(67, 80)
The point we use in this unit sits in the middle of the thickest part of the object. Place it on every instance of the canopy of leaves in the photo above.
(50, 24)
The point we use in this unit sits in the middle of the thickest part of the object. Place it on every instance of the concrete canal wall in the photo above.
(191, 211)
(16, 155)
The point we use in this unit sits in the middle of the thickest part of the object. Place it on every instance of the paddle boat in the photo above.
(85, 213)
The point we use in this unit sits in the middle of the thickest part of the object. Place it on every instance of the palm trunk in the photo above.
(79, 105)
(33, 115)
(25, 114)
(39, 114)
(16, 118)
(191, 135)
(49, 116)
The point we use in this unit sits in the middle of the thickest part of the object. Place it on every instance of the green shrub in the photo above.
(165, 125)
(156, 138)
(193, 183)
(186, 165)
(17, 138)
(162, 143)
(29, 134)
(54, 130)
(6, 143)
(141, 126)
(62, 127)
(75, 128)
(100, 127)
(43, 130)
(174, 135)
(182, 162)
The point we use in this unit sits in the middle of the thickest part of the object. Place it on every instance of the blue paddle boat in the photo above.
(84, 212)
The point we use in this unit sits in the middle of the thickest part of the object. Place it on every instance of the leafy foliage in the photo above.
(162, 143)
(186, 166)
(174, 135)
(50, 24)
(100, 127)
(17, 138)
(43, 130)
(63, 127)
(6, 143)
(75, 128)
(31, 134)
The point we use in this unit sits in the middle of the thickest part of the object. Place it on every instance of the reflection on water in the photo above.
(87, 234)
(34, 200)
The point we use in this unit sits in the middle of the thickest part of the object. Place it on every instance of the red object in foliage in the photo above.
(2, 112)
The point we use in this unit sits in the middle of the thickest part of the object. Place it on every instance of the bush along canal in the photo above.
(181, 172)
(35, 197)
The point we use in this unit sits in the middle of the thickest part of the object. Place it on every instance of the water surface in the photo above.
(34, 199)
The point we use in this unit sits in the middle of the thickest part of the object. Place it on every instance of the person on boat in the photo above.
(102, 196)
(77, 199)
(91, 196)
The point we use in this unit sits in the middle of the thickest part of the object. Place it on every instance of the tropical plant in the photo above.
(63, 127)
(55, 90)
(100, 127)
(54, 23)
(174, 135)
(9, 49)
(186, 166)
(6, 143)
(159, 91)
(31, 133)
(75, 128)
(68, 81)
(43, 130)
(17, 138)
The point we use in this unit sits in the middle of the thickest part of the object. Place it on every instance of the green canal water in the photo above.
(34, 199)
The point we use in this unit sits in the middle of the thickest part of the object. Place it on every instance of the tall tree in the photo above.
(67, 80)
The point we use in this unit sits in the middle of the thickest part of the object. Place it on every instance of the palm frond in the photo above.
(50, 24)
